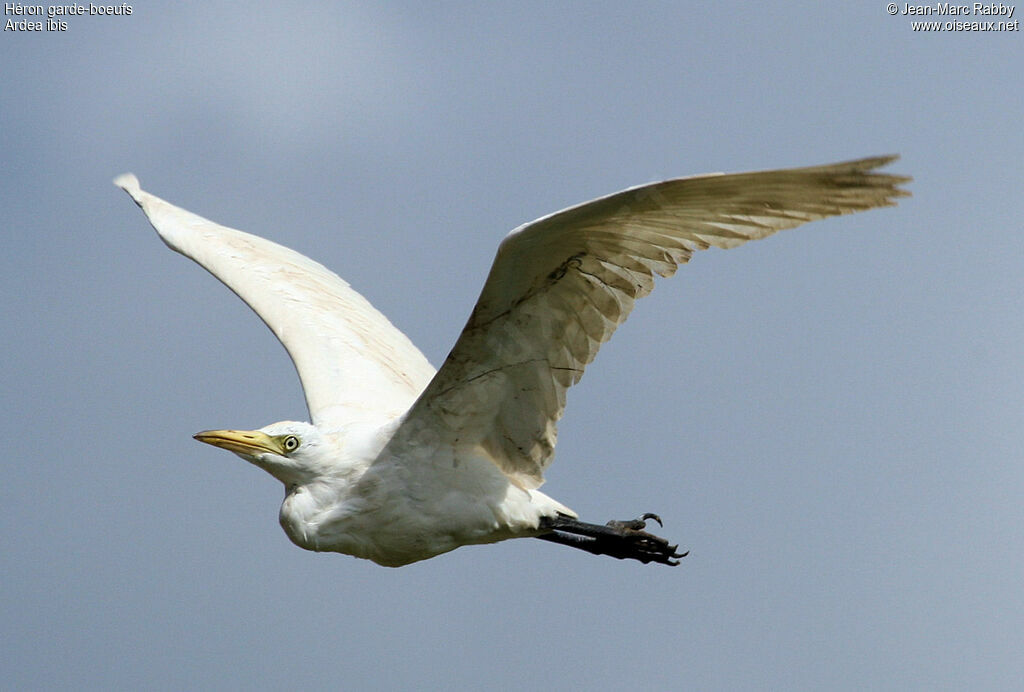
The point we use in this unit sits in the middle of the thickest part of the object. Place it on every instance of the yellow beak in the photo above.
(248, 442)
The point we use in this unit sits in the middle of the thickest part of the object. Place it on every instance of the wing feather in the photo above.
(355, 366)
(560, 286)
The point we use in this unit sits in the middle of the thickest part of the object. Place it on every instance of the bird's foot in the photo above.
(647, 545)
(618, 539)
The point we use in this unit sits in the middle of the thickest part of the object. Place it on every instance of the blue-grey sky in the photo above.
(831, 420)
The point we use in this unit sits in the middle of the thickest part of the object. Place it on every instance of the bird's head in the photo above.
(290, 451)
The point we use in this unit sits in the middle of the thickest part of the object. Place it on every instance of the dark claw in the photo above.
(652, 515)
(634, 524)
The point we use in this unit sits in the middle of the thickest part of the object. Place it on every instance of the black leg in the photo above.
(619, 539)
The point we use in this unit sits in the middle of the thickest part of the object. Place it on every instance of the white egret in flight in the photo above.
(402, 462)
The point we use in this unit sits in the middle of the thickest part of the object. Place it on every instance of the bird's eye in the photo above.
(291, 443)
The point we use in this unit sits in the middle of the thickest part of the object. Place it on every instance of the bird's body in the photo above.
(401, 463)
(396, 508)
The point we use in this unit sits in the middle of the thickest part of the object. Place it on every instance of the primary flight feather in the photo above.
(402, 463)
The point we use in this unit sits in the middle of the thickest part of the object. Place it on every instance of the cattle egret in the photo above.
(402, 462)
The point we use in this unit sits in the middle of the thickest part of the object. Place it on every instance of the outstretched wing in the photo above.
(353, 363)
(561, 285)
